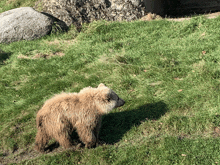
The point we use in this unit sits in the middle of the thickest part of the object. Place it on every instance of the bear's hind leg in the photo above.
(41, 140)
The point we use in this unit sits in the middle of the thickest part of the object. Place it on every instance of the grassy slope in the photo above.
(11, 4)
(167, 72)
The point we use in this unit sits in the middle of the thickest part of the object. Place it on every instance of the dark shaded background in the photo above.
(177, 8)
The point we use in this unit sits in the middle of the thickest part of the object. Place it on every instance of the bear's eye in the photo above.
(109, 99)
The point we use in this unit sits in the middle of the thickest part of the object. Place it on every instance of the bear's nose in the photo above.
(123, 102)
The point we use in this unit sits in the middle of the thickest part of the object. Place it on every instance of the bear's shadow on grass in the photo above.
(115, 125)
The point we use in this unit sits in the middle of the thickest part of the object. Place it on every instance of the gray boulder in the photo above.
(23, 24)
(80, 11)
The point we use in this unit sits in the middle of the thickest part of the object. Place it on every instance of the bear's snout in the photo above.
(121, 102)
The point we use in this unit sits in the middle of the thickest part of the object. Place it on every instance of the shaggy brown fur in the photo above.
(82, 111)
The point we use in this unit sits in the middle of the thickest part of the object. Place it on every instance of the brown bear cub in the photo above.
(81, 111)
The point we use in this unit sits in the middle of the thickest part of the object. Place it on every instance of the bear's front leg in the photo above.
(63, 140)
(86, 135)
(96, 132)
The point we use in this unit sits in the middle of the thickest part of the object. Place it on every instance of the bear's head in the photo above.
(108, 98)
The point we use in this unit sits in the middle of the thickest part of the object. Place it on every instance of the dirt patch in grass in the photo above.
(18, 156)
(150, 17)
(216, 131)
(27, 154)
(40, 55)
(208, 16)
(58, 42)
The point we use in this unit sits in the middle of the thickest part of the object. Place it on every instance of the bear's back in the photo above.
(59, 103)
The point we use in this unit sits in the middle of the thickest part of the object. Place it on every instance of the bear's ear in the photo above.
(101, 85)
(106, 95)
(103, 93)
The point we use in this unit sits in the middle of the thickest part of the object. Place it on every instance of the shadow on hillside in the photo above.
(115, 125)
(4, 56)
(58, 25)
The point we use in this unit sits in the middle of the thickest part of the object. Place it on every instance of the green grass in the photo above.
(167, 72)
(11, 4)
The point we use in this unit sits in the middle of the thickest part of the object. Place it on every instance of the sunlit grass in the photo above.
(6, 5)
(167, 72)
